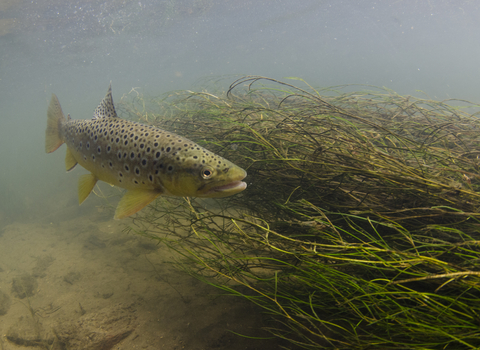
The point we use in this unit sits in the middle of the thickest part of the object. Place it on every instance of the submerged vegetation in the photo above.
(359, 228)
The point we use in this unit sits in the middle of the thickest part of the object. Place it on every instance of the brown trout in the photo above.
(144, 160)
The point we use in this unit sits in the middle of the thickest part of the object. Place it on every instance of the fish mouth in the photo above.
(235, 186)
(227, 189)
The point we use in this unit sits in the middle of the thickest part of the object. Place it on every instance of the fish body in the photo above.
(144, 160)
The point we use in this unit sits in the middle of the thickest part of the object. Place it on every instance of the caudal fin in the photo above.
(55, 118)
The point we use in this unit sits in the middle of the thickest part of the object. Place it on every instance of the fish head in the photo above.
(215, 178)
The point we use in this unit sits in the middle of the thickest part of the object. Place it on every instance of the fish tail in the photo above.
(55, 118)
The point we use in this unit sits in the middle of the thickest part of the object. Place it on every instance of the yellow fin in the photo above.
(86, 183)
(55, 118)
(70, 160)
(133, 201)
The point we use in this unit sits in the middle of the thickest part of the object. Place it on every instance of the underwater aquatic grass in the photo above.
(359, 228)
(357, 294)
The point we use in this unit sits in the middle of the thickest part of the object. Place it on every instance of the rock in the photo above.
(29, 332)
(5, 303)
(94, 242)
(24, 286)
(41, 265)
(98, 331)
(72, 277)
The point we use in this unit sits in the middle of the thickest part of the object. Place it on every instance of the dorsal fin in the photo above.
(106, 109)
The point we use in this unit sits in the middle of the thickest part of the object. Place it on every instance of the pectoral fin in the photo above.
(133, 201)
(70, 160)
(86, 183)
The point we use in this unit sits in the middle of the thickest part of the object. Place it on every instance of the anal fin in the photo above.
(86, 183)
(70, 160)
(133, 201)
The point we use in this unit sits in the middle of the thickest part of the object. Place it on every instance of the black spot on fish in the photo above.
(132, 155)
(137, 171)
(168, 149)
(99, 149)
(155, 144)
(127, 168)
(87, 145)
(119, 154)
(110, 164)
(150, 177)
(170, 168)
(126, 142)
(120, 174)
(157, 155)
(109, 148)
(144, 162)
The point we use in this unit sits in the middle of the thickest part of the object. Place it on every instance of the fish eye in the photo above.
(207, 173)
